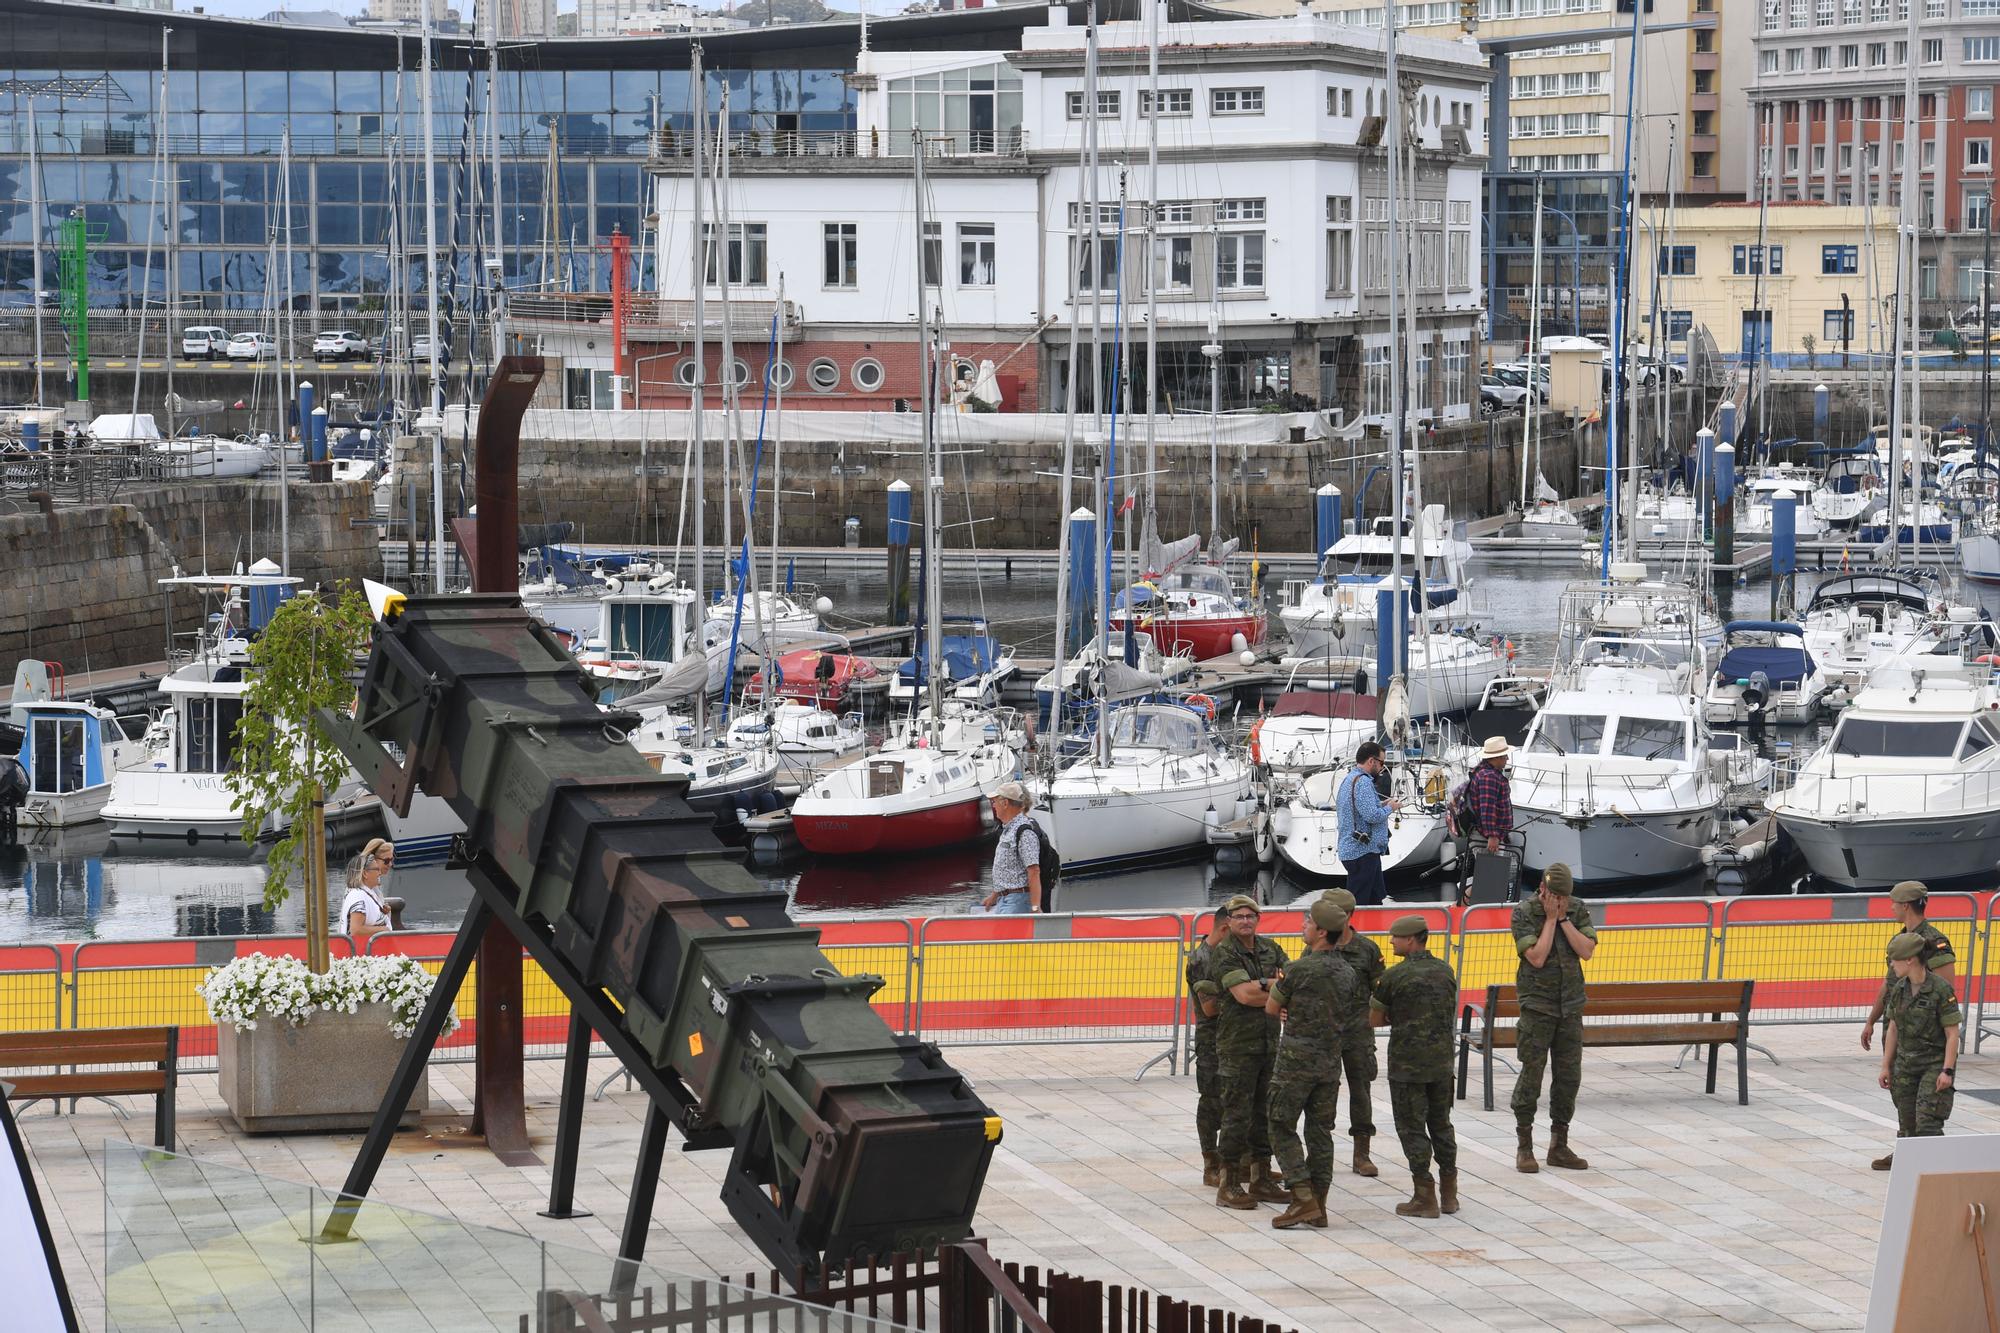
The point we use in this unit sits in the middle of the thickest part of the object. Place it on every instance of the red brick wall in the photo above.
(901, 369)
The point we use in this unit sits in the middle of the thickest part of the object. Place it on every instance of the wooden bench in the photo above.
(1726, 1004)
(67, 1053)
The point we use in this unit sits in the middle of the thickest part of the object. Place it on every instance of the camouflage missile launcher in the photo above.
(873, 1143)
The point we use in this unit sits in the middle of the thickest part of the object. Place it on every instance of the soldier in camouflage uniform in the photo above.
(1920, 1045)
(1555, 938)
(1357, 1041)
(1414, 1000)
(1908, 901)
(1246, 1044)
(1314, 996)
(1205, 996)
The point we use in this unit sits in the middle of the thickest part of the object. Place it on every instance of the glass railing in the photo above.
(193, 1244)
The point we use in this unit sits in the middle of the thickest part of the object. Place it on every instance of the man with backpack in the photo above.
(1363, 819)
(1484, 807)
(1018, 858)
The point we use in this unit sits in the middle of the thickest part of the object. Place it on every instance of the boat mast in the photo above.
(933, 557)
(292, 381)
(490, 16)
(1529, 405)
(168, 216)
(1617, 288)
(1399, 598)
(725, 361)
(431, 283)
(776, 371)
(35, 210)
(697, 442)
(1906, 318)
(1149, 532)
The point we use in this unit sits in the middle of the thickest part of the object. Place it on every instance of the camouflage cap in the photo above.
(1329, 916)
(1906, 945)
(1557, 879)
(1409, 925)
(1909, 891)
(1237, 902)
(1340, 896)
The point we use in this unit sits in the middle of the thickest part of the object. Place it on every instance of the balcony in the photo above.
(1704, 102)
(1705, 60)
(649, 318)
(844, 148)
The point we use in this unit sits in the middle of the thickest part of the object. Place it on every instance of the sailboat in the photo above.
(1544, 516)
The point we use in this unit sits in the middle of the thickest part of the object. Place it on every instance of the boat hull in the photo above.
(1310, 841)
(1095, 829)
(1202, 637)
(1875, 853)
(860, 833)
(1979, 557)
(1616, 847)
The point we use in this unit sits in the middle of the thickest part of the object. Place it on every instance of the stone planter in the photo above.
(330, 1073)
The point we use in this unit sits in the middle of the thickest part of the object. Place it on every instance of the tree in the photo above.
(284, 759)
(1811, 344)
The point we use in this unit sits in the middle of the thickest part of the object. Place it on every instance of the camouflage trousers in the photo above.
(1207, 1088)
(1298, 1088)
(1542, 1039)
(1423, 1125)
(1921, 1109)
(1243, 1086)
(1357, 1061)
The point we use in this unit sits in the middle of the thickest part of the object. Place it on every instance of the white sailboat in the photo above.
(1334, 613)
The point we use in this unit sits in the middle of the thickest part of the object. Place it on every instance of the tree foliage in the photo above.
(302, 662)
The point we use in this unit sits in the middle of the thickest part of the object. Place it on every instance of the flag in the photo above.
(1131, 501)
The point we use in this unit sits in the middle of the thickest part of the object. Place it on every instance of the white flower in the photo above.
(258, 986)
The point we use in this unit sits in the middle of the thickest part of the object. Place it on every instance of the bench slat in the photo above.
(127, 1082)
(1633, 1034)
(1640, 997)
(130, 1053)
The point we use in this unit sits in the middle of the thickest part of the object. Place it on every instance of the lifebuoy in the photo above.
(1201, 703)
(1989, 659)
(1256, 742)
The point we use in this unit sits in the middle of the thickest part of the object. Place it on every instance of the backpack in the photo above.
(1050, 863)
(1464, 814)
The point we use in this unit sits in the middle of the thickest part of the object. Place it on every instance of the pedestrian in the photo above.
(1414, 1000)
(1908, 903)
(1357, 1036)
(1920, 1045)
(1017, 856)
(1245, 964)
(1206, 999)
(1363, 819)
(1555, 938)
(1490, 795)
(365, 912)
(1314, 997)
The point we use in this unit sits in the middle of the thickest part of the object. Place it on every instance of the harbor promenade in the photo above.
(1696, 1213)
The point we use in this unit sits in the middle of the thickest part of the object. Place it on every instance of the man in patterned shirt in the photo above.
(1414, 1000)
(1491, 795)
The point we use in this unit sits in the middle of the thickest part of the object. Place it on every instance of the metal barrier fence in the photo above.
(1092, 978)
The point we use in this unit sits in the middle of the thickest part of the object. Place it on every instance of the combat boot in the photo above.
(1230, 1194)
(1264, 1187)
(1211, 1169)
(1559, 1153)
(1363, 1164)
(1320, 1194)
(1524, 1150)
(1884, 1162)
(1447, 1191)
(1306, 1210)
(1423, 1200)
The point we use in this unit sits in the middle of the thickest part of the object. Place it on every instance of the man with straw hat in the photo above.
(1490, 795)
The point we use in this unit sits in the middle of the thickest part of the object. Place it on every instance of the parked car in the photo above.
(420, 347)
(1496, 396)
(206, 341)
(252, 346)
(1516, 376)
(340, 345)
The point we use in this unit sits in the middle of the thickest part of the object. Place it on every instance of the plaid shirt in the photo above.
(1492, 799)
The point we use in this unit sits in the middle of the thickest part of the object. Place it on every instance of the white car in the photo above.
(252, 346)
(206, 341)
(420, 347)
(339, 345)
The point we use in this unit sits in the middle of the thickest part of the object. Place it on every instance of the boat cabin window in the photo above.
(642, 631)
(1650, 738)
(1173, 729)
(1567, 733)
(1872, 738)
(1976, 739)
(208, 734)
(58, 754)
(885, 777)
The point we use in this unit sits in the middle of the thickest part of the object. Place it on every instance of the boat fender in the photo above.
(1266, 846)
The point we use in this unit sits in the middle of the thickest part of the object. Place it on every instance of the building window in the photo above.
(1819, 157)
(1459, 261)
(1791, 159)
(1822, 57)
(1677, 261)
(1850, 56)
(1375, 381)
(1749, 260)
(976, 266)
(1878, 54)
(933, 254)
(1340, 102)
(1839, 258)
(1239, 260)
(1107, 104)
(867, 374)
(1927, 280)
(1240, 210)
(823, 376)
(1979, 103)
(1933, 50)
(1978, 209)
(1978, 9)
(1795, 59)
(747, 249)
(1173, 102)
(1836, 326)
(843, 254)
(1173, 263)
(1101, 276)
(1823, 13)
(1979, 155)
(1982, 50)
(1703, 165)
(1339, 243)
(1767, 62)
(1236, 101)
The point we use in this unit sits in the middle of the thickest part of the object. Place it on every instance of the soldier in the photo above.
(1206, 998)
(1908, 901)
(1246, 1043)
(1357, 1038)
(1414, 1000)
(1555, 938)
(1314, 996)
(1920, 1045)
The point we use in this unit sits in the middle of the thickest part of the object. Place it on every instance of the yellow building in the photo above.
(1806, 277)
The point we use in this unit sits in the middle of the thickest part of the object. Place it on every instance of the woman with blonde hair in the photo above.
(365, 912)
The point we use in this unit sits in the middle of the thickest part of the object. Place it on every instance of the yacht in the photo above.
(1765, 674)
(1334, 613)
(1152, 784)
(975, 663)
(1317, 723)
(771, 619)
(1849, 488)
(69, 749)
(906, 797)
(1856, 621)
(1137, 667)
(804, 736)
(1306, 828)
(1756, 495)
(1552, 522)
(1192, 610)
(1909, 782)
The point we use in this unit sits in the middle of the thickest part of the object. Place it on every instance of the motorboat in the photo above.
(805, 736)
(1909, 782)
(1849, 488)
(1921, 522)
(838, 682)
(1315, 724)
(730, 783)
(213, 456)
(1334, 612)
(1151, 785)
(1765, 674)
(1861, 619)
(770, 619)
(1756, 495)
(624, 631)
(1306, 827)
(1192, 611)
(975, 663)
(904, 798)
(1669, 517)
(1449, 672)
(70, 748)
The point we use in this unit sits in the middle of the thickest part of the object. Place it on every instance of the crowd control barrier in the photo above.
(1095, 978)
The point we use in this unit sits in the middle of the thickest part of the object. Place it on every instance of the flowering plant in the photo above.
(258, 986)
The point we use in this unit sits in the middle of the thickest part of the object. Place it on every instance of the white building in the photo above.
(1273, 223)
(615, 18)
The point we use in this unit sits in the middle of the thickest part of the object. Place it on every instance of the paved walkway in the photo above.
(1697, 1213)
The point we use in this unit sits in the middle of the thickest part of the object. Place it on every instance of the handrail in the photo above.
(958, 1292)
(835, 144)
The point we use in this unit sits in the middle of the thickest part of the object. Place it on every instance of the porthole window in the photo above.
(684, 373)
(739, 372)
(823, 375)
(780, 374)
(867, 374)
